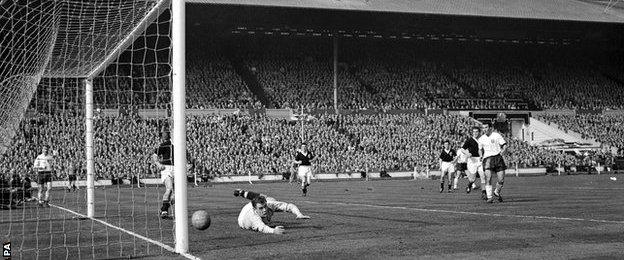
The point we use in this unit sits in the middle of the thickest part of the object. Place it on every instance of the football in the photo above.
(200, 220)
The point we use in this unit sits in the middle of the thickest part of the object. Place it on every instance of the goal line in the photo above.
(166, 247)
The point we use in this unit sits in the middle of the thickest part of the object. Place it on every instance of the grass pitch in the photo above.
(546, 217)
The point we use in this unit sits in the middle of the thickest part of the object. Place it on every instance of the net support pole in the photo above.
(89, 147)
(335, 74)
(178, 94)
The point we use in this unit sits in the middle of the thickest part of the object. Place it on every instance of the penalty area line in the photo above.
(467, 212)
(166, 247)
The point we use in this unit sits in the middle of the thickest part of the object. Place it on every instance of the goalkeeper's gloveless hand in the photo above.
(278, 230)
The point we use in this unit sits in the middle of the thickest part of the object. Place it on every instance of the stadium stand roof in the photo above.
(563, 10)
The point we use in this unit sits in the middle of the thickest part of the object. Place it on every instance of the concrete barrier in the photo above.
(320, 177)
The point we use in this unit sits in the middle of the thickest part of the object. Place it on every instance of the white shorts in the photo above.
(304, 172)
(447, 167)
(167, 172)
(474, 165)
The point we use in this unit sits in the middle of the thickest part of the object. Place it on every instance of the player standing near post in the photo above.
(304, 171)
(43, 166)
(447, 159)
(491, 146)
(71, 178)
(471, 146)
(163, 159)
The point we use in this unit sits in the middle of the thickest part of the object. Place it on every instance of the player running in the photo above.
(473, 163)
(43, 166)
(257, 213)
(460, 167)
(304, 171)
(163, 159)
(447, 167)
(491, 146)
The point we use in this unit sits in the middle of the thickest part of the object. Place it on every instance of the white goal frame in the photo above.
(178, 74)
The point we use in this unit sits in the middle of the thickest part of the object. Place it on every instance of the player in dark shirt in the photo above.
(304, 171)
(473, 163)
(447, 165)
(163, 159)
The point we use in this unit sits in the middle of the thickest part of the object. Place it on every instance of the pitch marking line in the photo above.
(591, 188)
(166, 247)
(469, 213)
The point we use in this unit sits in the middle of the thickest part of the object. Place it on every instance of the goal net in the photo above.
(50, 51)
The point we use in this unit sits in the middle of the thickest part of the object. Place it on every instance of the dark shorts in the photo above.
(43, 177)
(461, 167)
(494, 163)
(72, 177)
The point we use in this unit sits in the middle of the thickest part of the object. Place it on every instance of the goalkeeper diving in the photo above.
(257, 213)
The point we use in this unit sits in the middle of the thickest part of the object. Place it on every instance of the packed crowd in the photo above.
(606, 129)
(580, 88)
(211, 80)
(523, 155)
(121, 145)
(212, 83)
(403, 141)
(254, 144)
(407, 77)
(298, 73)
(129, 85)
(403, 75)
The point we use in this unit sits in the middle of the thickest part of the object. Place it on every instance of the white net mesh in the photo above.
(48, 48)
(28, 32)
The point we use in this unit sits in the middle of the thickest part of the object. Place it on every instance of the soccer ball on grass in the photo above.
(200, 220)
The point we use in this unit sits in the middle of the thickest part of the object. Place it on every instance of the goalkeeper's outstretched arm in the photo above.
(250, 195)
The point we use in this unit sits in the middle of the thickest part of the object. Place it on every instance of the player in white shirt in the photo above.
(461, 165)
(43, 166)
(257, 213)
(491, 146)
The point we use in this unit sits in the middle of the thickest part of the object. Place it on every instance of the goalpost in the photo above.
(82, 70)
(179, 124)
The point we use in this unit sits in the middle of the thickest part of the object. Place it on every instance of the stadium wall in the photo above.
(554, 111)
(288, 113)
(613, 112)
(321, 177)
